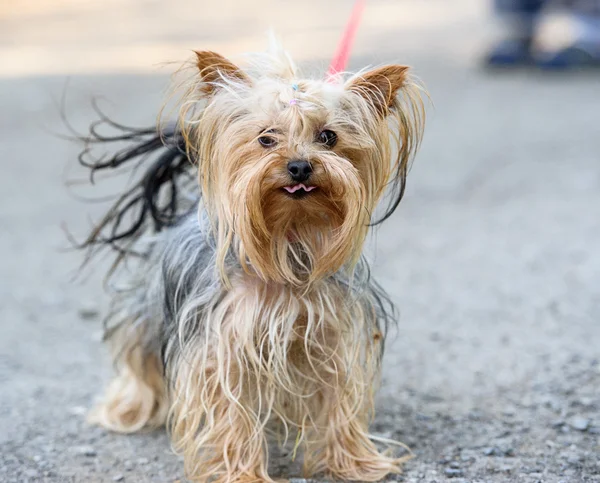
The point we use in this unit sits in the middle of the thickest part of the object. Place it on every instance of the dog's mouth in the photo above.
(299, 190)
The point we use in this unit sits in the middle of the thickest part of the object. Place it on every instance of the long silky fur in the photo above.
(163, 190)
(176, 311)
(217, 351)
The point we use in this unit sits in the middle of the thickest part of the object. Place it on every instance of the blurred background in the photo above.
(493, 373)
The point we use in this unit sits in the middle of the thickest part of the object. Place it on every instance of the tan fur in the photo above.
(381, 85)
(242, 182)
(137, 398)
(213, 67)
(313, 371)
(282, 341)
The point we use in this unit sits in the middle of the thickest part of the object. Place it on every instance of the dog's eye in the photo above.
(267, 141)
(327, 137)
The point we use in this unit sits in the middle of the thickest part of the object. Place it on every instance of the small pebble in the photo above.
(422, 417)
(586, 401)
(88, 312)
(579, 423)
(495, 451)
(453, 472)
(534, 470)
(83, 450)
(118, 478)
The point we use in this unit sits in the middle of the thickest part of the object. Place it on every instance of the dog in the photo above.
(248, 307)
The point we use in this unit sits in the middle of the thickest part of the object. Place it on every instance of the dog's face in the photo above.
(291, 170)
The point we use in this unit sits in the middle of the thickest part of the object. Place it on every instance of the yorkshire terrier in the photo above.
(251, 306)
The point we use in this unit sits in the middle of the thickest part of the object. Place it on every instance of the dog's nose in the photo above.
(299, 170)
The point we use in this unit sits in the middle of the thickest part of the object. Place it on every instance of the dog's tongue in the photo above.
(293, 189)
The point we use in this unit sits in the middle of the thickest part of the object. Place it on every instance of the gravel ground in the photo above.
(493, 374)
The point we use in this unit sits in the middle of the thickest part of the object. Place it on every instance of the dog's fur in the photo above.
(250, 305)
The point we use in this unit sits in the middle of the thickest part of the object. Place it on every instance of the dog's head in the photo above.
(291, 169)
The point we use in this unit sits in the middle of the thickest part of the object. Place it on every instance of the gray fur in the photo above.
(179, 280)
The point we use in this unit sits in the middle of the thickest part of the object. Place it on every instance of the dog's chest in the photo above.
(276, 316)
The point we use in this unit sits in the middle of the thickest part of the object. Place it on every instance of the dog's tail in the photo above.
(162, 191)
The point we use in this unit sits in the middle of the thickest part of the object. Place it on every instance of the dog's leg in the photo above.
(343, 406)
(345, 450)
(215, 424)
(136, 398)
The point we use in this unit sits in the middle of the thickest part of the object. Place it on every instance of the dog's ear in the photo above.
(380, 86)
(216, 69)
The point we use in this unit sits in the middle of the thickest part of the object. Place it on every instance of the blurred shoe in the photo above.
(510, 53)
(574, 57)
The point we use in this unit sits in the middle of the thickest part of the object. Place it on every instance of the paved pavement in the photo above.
(494, 372)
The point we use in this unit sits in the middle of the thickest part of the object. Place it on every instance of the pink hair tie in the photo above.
(293, 102)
